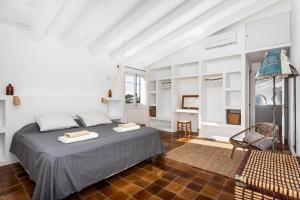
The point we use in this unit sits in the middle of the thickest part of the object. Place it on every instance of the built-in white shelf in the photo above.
(232, 89)
(152, 104)
(257, 55)
(210, 74)
(219, 73)
(268, 48)
(2, 98)
(187, 76)
(152, 92)
(233, 98)
(224, 95)
(233, 71)
(220, 53)
(233, 107)
(187, 111)
(113, 99)
(165, 78)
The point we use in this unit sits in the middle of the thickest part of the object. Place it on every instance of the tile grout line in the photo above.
(179, 173)
(27, 194)
(3, 196)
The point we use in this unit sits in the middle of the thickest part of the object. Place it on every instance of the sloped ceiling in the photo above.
(143, 31)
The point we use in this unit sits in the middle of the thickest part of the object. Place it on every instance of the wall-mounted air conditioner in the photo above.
(219, 40)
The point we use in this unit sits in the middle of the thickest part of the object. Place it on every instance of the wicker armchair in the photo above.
(262, 128)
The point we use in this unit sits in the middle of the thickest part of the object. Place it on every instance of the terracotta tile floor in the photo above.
(164, 179)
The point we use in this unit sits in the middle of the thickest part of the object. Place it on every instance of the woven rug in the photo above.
(208, 155)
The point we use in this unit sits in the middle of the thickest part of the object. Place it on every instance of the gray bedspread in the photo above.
(61, 169)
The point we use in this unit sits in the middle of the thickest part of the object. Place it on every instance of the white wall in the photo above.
(48, 68)
(137, 114)
(189, 54)
(295, 59)
(48, 77)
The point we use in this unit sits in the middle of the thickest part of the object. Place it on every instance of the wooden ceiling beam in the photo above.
(169, 23)
(198, 30)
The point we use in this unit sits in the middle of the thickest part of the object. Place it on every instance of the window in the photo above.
(134, 89)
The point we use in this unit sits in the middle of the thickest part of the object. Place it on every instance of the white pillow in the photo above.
(51, 122)
(93, 118)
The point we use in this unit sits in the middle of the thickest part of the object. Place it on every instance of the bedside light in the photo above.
(16, 100)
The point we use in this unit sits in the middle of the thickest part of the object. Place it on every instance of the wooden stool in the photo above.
(184, 127)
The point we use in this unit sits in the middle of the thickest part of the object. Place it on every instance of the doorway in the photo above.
(261, 104)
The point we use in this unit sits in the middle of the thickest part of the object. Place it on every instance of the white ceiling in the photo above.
(146, 30)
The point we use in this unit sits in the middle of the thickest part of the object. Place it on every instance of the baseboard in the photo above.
(292, 150)
(9, 160)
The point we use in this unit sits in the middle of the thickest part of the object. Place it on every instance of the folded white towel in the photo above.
(127, 125)
(77, 134)
(67, 140)
(121, 129)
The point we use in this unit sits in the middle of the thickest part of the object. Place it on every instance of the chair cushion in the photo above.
(264, 143)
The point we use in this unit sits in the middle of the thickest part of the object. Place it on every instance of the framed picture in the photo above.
(190, 102)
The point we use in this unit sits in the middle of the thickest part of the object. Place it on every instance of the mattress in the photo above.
(61, 169)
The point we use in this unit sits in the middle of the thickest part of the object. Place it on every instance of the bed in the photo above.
(61, 169)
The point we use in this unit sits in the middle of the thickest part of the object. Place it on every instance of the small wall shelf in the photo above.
(210, 74)
(232, 89)
(113, 99)
(165, 78)
(186, 76)
(233, 98)
(233, 107)
(187, 111)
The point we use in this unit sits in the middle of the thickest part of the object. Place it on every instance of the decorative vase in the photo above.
(109, 93)
(10, 90)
